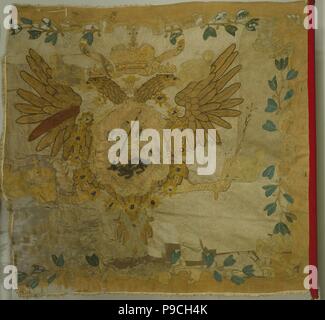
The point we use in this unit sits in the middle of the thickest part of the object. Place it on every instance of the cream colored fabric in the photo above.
(161, 228)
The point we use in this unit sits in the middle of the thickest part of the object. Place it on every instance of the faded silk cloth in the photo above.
(79, 224)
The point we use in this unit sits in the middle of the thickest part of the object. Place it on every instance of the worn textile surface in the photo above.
(79, 224)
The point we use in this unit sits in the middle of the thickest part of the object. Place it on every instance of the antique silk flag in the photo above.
(78, 224)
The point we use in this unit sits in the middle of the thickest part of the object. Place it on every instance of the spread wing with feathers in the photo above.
(210, 100)
(154, 86)
(52, 106)
(108, 88)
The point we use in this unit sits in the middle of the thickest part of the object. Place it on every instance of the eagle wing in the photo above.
(210, 100)
(108, 88)
(154, 86)
(114, 92)
(53, 106)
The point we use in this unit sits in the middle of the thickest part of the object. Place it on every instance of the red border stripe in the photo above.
(312, 153)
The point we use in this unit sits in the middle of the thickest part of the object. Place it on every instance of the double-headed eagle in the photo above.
(55, 108)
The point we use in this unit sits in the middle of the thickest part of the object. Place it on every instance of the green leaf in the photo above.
(217, 276)
(173, 37)
(231, 29)
(34, 34)
(52, 37)
(269, 172)
(33, 283)
(282, 63)
(89, 36)
(26, 21)
(289, 94)
(241, 14)
(288, 198)
(273, 84)
(21, 276)
(271, 105)
(93, 260)
(208, 258)
(249, 270)
(251, 24)
(281, 228)
(237, 280)
(209, 32)
(58, 261)
(38, 269)
(290, 217)
(292, 74)
(278, 64)
(229, 261)
(270, 208)
(270, 189)
(175, 256)
(51, 278)
(269, 126)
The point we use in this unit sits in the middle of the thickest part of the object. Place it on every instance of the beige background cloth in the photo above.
(221, 229)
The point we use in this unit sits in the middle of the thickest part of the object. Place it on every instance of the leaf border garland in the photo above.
(280, 202)
(53, 31)
(36, 30)
(229, 23)
(280, 84)
(226, 270)
(237, 276)
(40, 274)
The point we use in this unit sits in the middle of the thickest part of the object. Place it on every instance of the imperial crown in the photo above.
(133, 60)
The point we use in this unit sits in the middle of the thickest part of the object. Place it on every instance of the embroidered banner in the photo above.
(79, 223)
